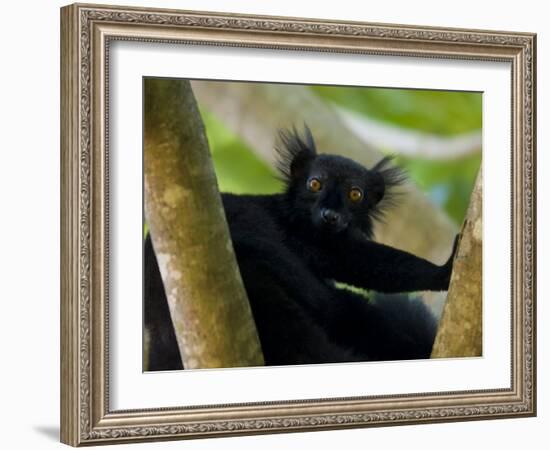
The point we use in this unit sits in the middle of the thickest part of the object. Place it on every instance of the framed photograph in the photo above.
(277, 224)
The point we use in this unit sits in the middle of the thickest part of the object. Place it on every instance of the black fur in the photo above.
(291, 247)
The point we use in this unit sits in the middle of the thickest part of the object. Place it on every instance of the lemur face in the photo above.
(331, 192)
(338, 192)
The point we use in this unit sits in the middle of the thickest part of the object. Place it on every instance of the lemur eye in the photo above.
(314, 184)
(355, 194)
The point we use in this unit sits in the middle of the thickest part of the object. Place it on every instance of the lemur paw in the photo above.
(448, 266)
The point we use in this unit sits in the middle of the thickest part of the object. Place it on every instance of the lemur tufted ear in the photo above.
(385, 177)
(295, 152)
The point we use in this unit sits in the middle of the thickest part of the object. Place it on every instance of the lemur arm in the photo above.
(371, 265)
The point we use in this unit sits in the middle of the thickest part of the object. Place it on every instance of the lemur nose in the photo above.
(330, 216)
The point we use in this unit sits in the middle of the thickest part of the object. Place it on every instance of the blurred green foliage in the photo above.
(438, 112)
(444, 113)
(238, 169)
(448, 183)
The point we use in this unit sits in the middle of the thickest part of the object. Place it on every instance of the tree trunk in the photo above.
(183, 209)
(460, 332)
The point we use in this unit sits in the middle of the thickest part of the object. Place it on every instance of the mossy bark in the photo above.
(183, 209)
(460, 327)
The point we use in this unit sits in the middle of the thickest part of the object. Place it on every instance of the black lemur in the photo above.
(292, 247)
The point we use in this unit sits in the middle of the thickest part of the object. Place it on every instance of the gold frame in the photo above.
(86, 31)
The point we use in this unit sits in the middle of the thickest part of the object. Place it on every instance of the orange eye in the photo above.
(314, 185)
(355, 195)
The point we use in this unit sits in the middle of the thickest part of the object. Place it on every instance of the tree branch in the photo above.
(411, 143)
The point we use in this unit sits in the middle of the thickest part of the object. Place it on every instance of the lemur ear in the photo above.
(295, 152)
(385, 177)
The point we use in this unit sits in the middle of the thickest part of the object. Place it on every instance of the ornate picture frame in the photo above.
(87, 31)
